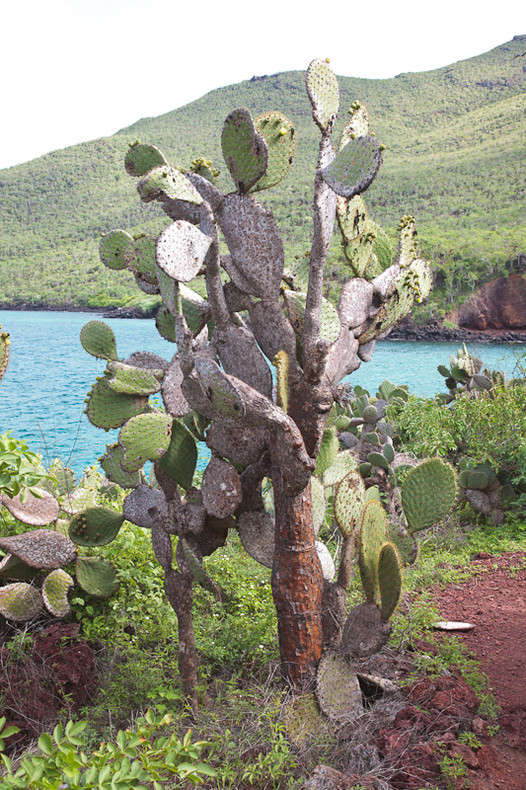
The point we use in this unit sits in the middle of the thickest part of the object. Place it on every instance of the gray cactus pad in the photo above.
(221, 488)
(338, 689)
(181, 250)
(255, 244)
(356, 298)
(240, 356)
(324, 93)
(172, 394)
(241, 447)
(364, 632)
(41, 548)
(256, 530)
(35, 511)
(354, 167)
(138, 505)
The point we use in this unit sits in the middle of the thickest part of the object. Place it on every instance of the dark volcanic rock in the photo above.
(499, 304)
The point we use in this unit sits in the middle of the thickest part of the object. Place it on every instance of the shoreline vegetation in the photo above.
(408, 331)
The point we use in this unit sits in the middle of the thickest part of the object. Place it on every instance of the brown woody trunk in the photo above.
(179, 591)
(297, 586)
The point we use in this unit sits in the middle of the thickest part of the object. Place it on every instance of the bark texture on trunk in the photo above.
(179, 591)
(297, 586)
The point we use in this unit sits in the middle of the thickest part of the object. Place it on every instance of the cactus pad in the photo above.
(241, 447)
(338, 689)
(55, 592)
(111, 248)
(354, 168)
(326, 561)
(165, 324)
(244, 149)
(141, 158)
(372, 535)
(145, 437)
(357, 125)
(352, 217)
(330, 322)
(364, 631)
(140, 259)
(95, 526)
(389, 579)
(279, 136)
(349, 502)
(181, 250)
(319, 503)
(20, 602)
(167, 182)
(344, 462)
(323, 92)
(98, 339)
(40, 548)
(111, 464)
(172, 394)
(221, 488)
(96, 576)
(179, 460)
(428, 493)
(221, 392)
(13, 568)
(142, 506)
(302, 719)
(328, 451)
(35, 511)
(109, 409)
(256, 530)
(134, 381)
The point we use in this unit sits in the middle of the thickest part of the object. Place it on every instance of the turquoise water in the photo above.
(49, 373)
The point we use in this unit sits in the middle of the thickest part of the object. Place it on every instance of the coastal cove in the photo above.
(49, 374)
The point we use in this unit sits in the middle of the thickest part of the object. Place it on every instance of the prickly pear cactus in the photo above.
(218, 387)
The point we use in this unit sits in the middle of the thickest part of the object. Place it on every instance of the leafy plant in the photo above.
(21, 471)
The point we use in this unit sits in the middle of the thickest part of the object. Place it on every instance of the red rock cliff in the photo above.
(499, 304)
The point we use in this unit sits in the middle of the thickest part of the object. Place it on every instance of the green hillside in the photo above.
(454, 158)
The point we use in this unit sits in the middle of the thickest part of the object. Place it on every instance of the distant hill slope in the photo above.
(455, 159)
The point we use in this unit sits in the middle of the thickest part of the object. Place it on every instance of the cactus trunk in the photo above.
(297, 586)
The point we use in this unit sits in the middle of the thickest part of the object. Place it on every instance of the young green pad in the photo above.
(111, 465)
(352, 217)
(108, 409)
(372, 535)
(55, 592)
(280, 138)
(354, 168)
(140, 259)
(428, 493)
(167, 182)
(95, 526)
(323, 92)
(96, 576)
(98, 339)
(145, 437)
(328, 451)
(165, 324)
(132, 380)
(349, 502)
(111, 248)
(244, 149)
(357, 125)
(180, 458)
(141, 158)
(389, 579)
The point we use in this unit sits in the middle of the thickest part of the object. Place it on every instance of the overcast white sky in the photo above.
(74, 70)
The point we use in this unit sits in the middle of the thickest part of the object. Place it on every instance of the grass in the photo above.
(454, 158)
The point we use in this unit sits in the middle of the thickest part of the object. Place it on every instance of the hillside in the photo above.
(454, 158)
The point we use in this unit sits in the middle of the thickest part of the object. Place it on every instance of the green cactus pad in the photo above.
(302, 720)
(344, 462)
(140, 259)
(111, 464)
(428, 494)
(181, 250)
(279, 136)
(378, 459)
(180, 458)
(40, 548)
(319, 504)
(96, 576)
(111, 248)
(352, 217)
(349, 502)
(4, 351)
(388, 452)
(134, 381)
(357, 125)
(244, 149)
(14, 569)
(95, 526)
(323, 92)
(354, 168)
(373, 532)
(389, 579)
(109, 409)
(141, 158)
(330, 322)
(338, 689)
(55, 592)
(407, 251)
(359, 254)
(328, 451)
(145, 437)
(219, 389)
(195, 309)
(406, 544)
(20, 602)
(382, 247)
(167, 182)
(370, 414)
(165, 324)
(98, 339)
